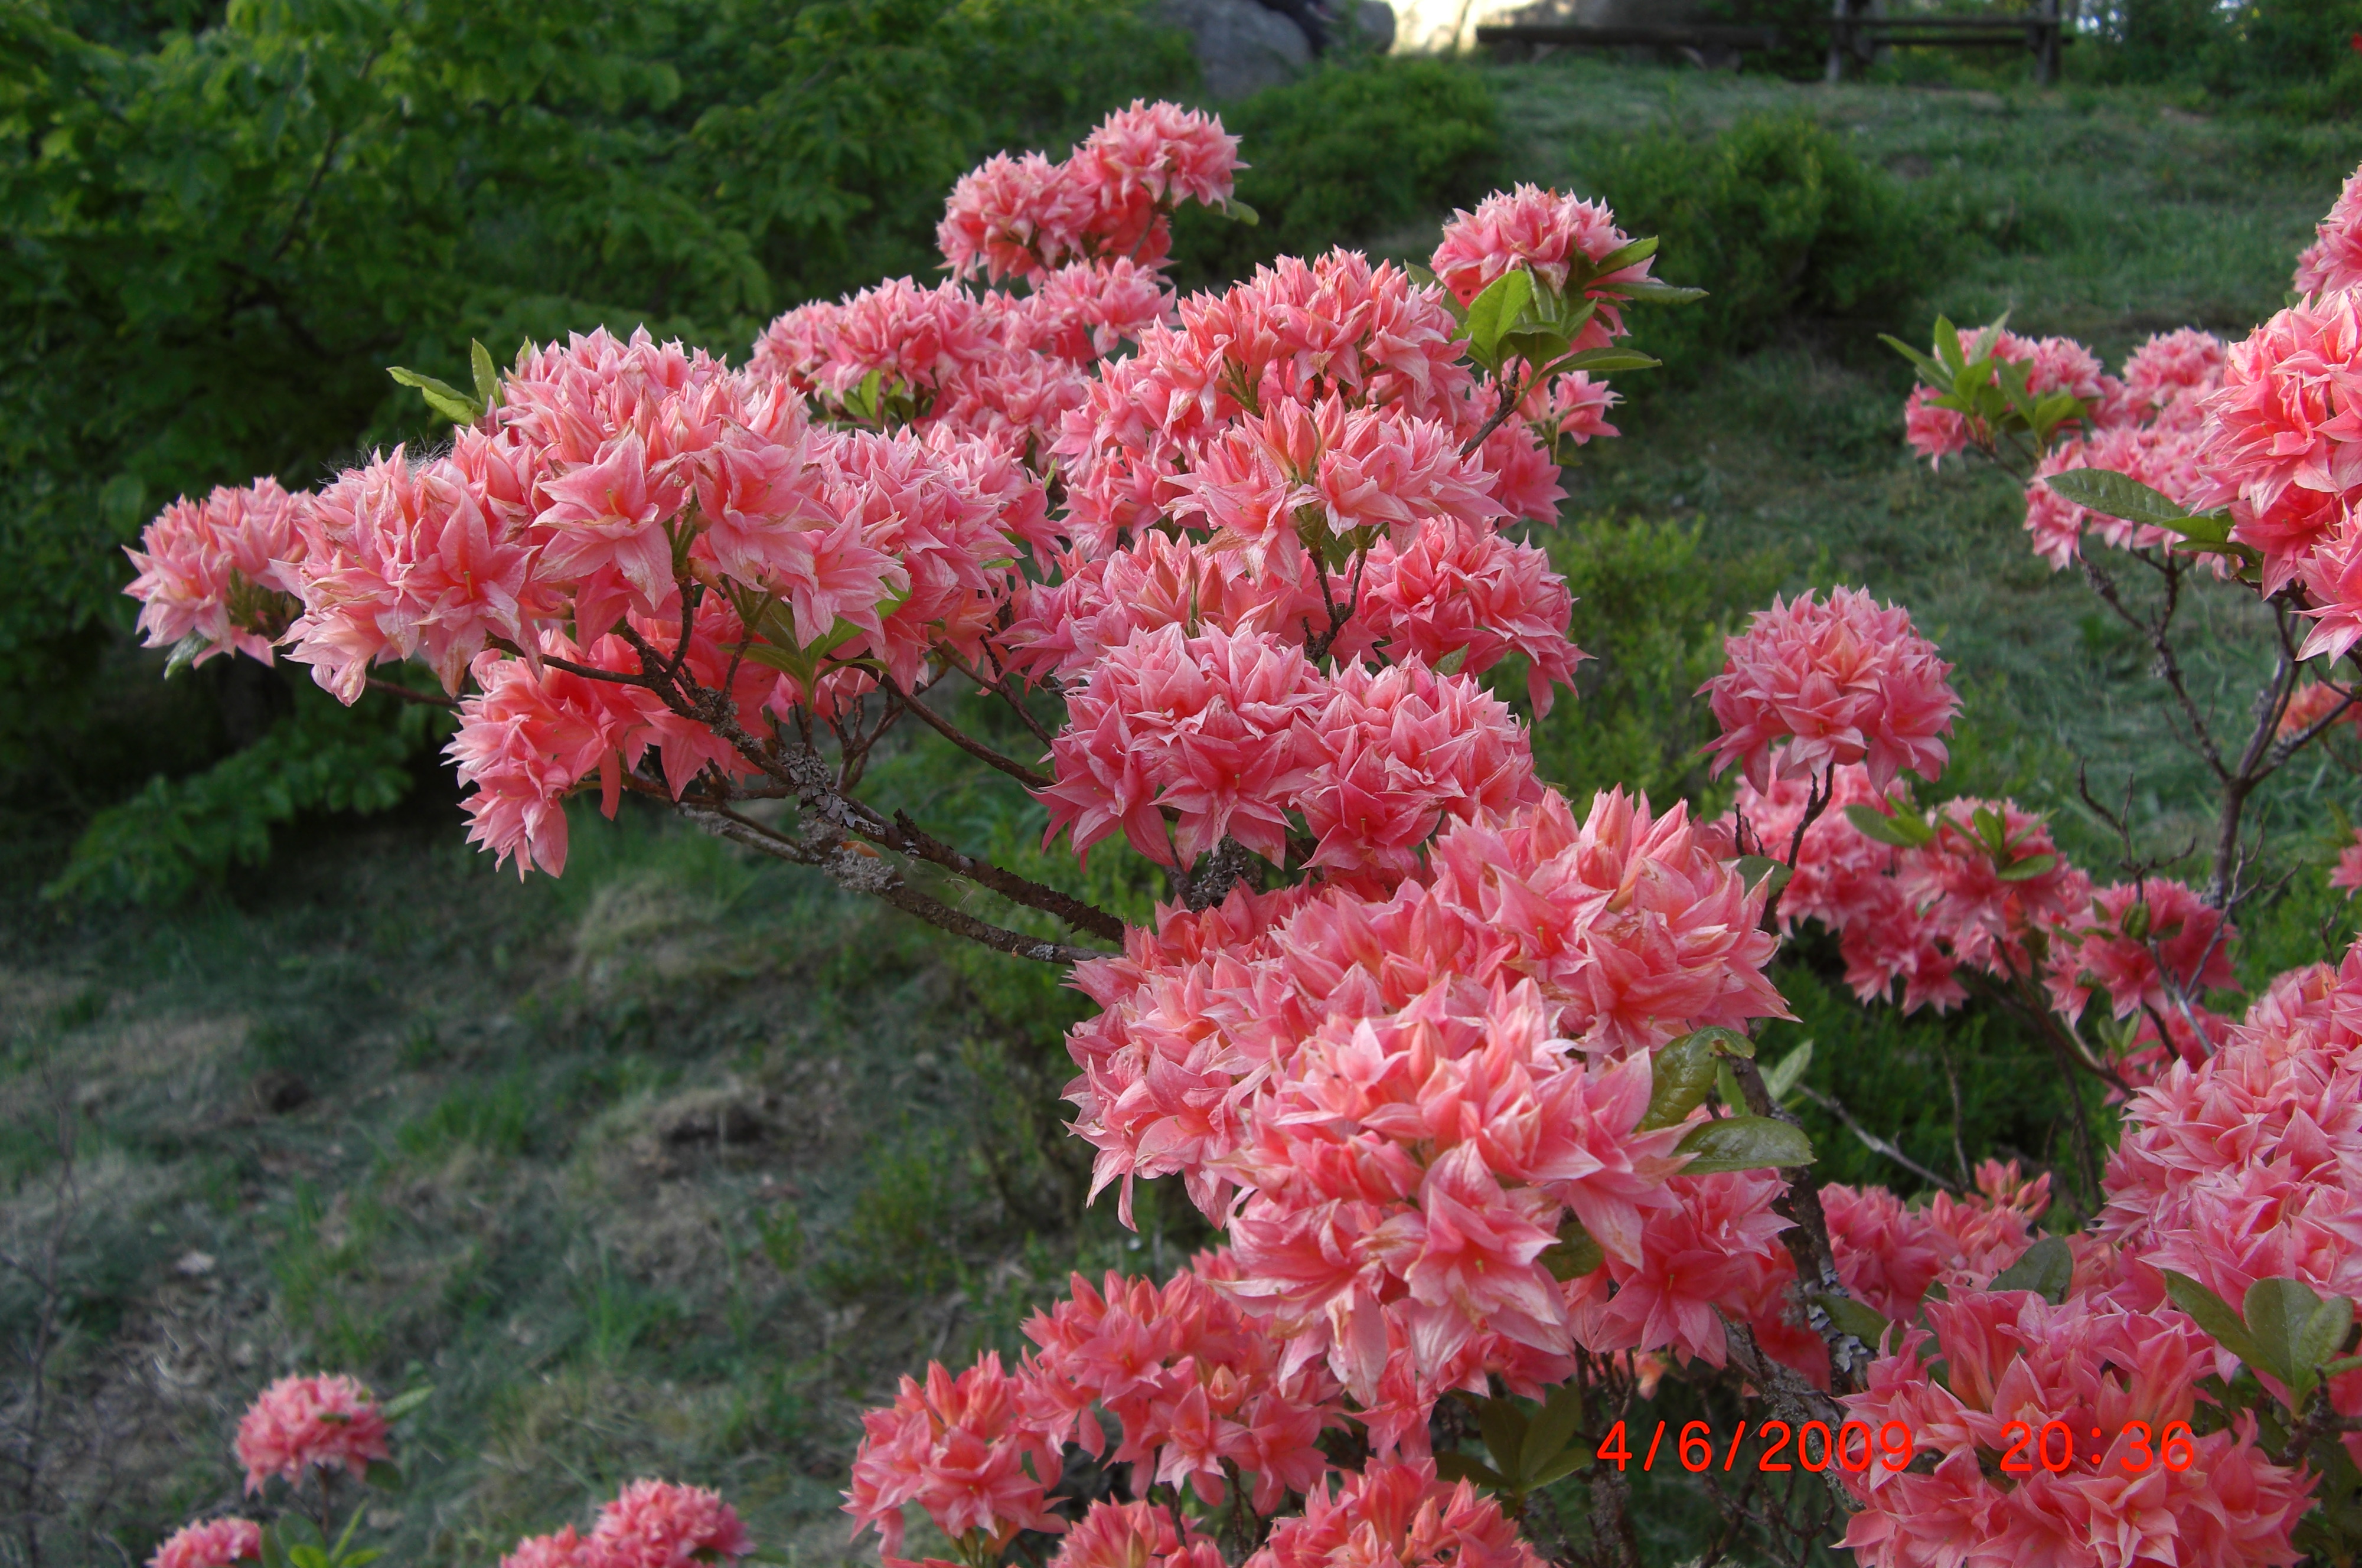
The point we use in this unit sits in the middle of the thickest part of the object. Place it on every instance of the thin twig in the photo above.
(1876, 1143)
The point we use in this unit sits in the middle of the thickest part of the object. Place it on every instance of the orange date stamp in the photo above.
(1854, 1446)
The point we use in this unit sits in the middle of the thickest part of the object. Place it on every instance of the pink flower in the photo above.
(298, 1423)
(219, 569)
(210, 1544)
(1194, 1381)
(661, 1524)
(1164, 152)
(2330, 572)
(1543, 232)
(2168, 375)
(1396, 753)
(1832, 682)
(1204, 725)
(2333, 261)
(1575, 408)
(2314, 702)
(959, 1448)
(1134, 1535)
(611, 512)
(564, 1549)
(1016, 217)
(2092, 1364)
(1396, 1516)
(2150, 945)
(1934, 433)
(2283, 440)
(2347, 874)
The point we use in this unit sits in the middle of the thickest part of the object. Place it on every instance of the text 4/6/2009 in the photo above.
(2134, 1448)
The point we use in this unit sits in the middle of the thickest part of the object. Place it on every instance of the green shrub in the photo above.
(1650, 607)
(177, 835)
(1775, 218)
(1351, 152)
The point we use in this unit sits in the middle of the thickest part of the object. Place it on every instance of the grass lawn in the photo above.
(671, 1165)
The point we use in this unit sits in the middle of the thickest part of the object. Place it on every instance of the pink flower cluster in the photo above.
(2018, 912)
(1544, 233)
(2283, 447)
(2052, 365)
(1230, 733)
(1111, 199)
(2333, 261)
(2111, 1356)
(323, 1422)
(1828, 682)
(210, 1544)
(220, 569)
(650, 1524)
(1396, 1516)
(1394, 1099)
(1193, 1382)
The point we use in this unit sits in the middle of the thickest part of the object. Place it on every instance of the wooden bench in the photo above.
(1568, 35)
(1853, 33)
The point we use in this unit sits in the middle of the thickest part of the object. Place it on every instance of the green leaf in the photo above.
(401, 1405)
(2113, 494)
(307, 1557)
(2321, 1337)
(1503, 1426)
(441, 396)
(1549, 1432)
(1744, 1143)
(274, 1555)
(1624, 256)
(1491, 313)
(1568, 1461)
(1576, 1252)
(361, 1559)
(385, 1475)
(1992, 827)
(2217, 1317)
(1241, 213)
(1755, 868)
(1988, 336)
(1648, 291)
(184, 653)
(2028, 870)
(1784, 1076)
(488, 377)
(1728, 1041)
(2294, 1331)
(2341, 1367)
(2276, 1311)
(1903, 829)
(2206, 530)
(1863, 1322)
(2046, 1267)
(1948, 350)
(1452, 1465)
(1604, 359)
(1936, 375)
(1680, 1077)
(1725, 1084)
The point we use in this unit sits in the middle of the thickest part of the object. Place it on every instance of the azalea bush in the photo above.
(1461, 1073)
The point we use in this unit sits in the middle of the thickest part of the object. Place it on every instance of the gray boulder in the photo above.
(1240, 46)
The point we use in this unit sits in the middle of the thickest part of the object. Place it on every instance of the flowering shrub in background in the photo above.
(1461, 1071)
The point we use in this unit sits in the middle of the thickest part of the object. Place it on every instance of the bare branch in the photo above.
(1875, 1143)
